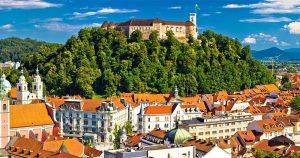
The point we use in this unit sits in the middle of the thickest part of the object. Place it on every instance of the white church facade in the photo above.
(24, 96)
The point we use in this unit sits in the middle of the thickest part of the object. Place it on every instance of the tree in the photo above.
(117, 133)
(295, 103)
(154, 36)
(285, 79)
(106, 62)
(128, 127)
(136, 36)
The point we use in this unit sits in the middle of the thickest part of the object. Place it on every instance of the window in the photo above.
(94, 123)
(85, 116)
(4, 107)
(19, 88)
(214, 132)
(207, 133)
(239, 129)
(148, 126)
(93, 116)
(232, 123)
(156, 125)
(78, 121)
(34, 87)
(200, 133)
(226, 124)
(166, 118)
(226, 130)
(149, 119)
(207, 126)
(220, 125)
(232, 130)
(94, 130)
(220, 131)
(215, 125)
(40, 87)
(86, 122)
(157, 119)
(166, 125)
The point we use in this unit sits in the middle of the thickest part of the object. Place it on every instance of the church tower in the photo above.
(4, 116)
(37, 85)
(22, 90)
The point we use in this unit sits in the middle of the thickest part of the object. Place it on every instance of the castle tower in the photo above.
(4, 116)
(22, 90)
(37, 85)
(193, 18)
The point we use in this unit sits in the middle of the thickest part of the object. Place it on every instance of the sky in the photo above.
(258, 23)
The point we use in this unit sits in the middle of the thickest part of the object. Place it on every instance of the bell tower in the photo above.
(4, 116)
(37, 85)
(22, 90)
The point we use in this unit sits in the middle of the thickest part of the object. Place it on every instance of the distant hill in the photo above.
(13, 49)
(290, 54)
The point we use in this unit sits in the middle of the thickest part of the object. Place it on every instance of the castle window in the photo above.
(34, 87)
(4, 107)
(40, 87)
(19, 88)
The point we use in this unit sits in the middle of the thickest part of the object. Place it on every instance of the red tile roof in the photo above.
(158, 110)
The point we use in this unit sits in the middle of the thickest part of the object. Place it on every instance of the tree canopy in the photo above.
(13, 49)
(106, 62)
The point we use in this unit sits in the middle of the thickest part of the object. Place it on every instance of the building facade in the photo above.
(182, 30)
(216, 127)
(23, 94)
(96, 118)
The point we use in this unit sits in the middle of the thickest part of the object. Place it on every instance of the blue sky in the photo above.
(260, 23)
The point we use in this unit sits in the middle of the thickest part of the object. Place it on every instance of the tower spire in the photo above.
(37, 70)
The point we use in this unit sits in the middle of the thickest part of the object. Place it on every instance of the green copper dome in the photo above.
(178, 136)
(2, 90)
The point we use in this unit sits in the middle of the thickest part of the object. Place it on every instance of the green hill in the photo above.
(106, 62)
(13, 49)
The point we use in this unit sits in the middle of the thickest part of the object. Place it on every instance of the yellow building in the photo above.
(181, 29)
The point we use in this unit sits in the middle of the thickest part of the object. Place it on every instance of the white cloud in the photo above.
(103, 11)
(282, 43)
(249, 40)
(293, 27)
(205, 14)
(297, 43)
(263, 37)
(218, 12)
(55, 19)
(26, 4)
(267, 20)
(6, 26)
(175, 7)
(270, 7)
(233, 6)
(64, 27)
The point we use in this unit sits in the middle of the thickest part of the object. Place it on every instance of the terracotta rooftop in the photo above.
(158, 110)
(201, 145)
(158, 133)
(29, 115)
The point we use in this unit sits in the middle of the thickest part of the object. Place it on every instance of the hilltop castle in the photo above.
(181, 29)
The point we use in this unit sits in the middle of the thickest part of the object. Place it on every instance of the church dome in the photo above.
(178, 136)
(6, 83)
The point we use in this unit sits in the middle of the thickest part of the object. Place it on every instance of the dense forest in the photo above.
(106, 62)
(14, 49)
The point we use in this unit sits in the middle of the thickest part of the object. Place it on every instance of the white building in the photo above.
(23, 94)
(91, 119)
